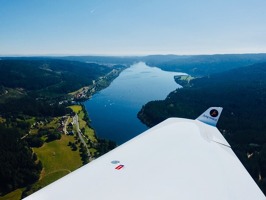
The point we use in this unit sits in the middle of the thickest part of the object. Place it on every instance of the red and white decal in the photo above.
(119, 167)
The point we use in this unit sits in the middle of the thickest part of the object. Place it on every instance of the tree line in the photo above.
(19, 165)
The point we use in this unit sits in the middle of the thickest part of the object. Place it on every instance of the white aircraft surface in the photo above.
(177, 159)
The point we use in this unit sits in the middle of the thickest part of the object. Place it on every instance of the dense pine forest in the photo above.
(242, 94)
(19, 166)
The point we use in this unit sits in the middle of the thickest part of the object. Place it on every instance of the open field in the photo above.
(31, 120)
(2, 120)
(79, 90)
(76, 108)
(187, 78)
(90, 133)
(15, 195)
(12, 93)
(93, 151)
(83, 124)
(58, 159)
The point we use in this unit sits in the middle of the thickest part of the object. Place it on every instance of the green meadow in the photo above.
(58, 160)
(15, 195)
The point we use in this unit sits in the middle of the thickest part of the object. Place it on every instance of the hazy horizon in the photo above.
(126, 55)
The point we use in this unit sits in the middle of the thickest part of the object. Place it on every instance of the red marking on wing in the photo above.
(119, 167)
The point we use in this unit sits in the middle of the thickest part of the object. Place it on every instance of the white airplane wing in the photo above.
(177, 159)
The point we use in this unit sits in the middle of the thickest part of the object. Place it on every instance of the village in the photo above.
(102, 82)
(73, 124)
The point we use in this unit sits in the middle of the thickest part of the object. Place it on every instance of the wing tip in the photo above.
(211, 116)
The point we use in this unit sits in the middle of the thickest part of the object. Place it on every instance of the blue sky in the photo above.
(131, 27)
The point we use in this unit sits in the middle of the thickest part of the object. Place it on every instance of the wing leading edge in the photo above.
(177, 159)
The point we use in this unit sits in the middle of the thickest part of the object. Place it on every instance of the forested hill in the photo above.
(34, 86)
(241, 91)
(202, 65)
(57, 76)
(242, 94)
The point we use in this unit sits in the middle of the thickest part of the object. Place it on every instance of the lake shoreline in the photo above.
(85, 93)
(117, 105)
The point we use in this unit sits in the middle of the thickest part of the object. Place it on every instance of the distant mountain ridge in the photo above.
(196, 65)
(202, 65)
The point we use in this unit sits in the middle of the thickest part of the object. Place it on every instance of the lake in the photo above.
(113, 111)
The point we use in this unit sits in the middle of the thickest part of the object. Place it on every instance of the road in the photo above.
(65, 126)
(76, 121)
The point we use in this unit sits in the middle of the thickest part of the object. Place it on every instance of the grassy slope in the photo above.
(2, 120)
(57, 157)
(15, 195)
(76, 108)
(83, 124)
(58, 160)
